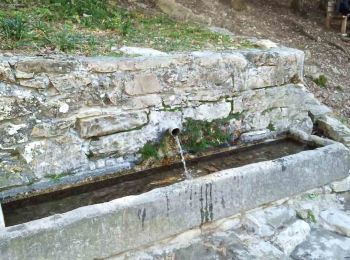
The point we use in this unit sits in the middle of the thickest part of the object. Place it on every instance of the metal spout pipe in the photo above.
(174, 131)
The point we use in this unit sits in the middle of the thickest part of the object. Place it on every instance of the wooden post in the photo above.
(344, 24)
(330, 12)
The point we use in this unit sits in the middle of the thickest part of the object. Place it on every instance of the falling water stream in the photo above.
(186, 172)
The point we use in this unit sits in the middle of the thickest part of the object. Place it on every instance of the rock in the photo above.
(255, 136)
(220, 30)
(334, 129)
(264, 222)
(143, 84)
(291, 236)
(142, 102)
(336, 220)
(147, 52)
(39, 82)
(312, 71)
(42, 65)
(6, 73)
(208, 111)
(62, 155)
(180, 12)
(24, 75)
(322, 245)
(266, 44)
(109, 124)
(52, 128)
(132, 141)
(341, 186)
(64, 108)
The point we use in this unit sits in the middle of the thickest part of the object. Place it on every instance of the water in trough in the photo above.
(28, 209)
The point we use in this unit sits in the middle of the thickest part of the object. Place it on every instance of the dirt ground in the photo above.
(326, 52)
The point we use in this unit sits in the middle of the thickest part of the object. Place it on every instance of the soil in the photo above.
(327, 52)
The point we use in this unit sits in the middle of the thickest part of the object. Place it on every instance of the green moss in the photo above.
(149, 150)
(339, 88)
(271, 127)
(311, 216)
(56, 177)
(321, 81)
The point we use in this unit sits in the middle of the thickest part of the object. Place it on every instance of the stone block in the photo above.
(109, 124)
(43, 65)
(291, 236)
(341, 186)
(39, 82)
(143, 84)
(208, 111)
(336, 220)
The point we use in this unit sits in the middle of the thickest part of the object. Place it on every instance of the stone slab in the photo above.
(102, 230)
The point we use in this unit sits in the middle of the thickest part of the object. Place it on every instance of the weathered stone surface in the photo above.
(42, 65)
(51, 157)
(149, 217)
(133, 141)
(143, 84)
(11, 107)
(323, 245)
(334, 129)
(255, 136)
(24, 75)
(13, 134)
(46, 96)
(341, 186)
(208, 111)
(51, 128)
(148, 52)
(291, 236)
(39, 82)
(266, 44)
(109, 124)
(68, 82)
(6, 73)
(336, 220)
(263, 223)
(142, 102)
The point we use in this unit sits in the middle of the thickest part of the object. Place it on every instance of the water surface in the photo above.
(25, 210)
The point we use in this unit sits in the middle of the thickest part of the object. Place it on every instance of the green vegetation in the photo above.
(56, 177)
(271, 127)
(149, 150)
(92, 27)
(200, 135)
(310, 216)
(321, 81)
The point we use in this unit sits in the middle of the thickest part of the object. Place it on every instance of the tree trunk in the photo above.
(298, 5)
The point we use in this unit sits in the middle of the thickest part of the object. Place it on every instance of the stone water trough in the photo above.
(68, 123)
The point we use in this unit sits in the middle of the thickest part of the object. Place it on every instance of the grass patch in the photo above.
(200, 135)
(321, 81)
(91, 27)
(149, 150)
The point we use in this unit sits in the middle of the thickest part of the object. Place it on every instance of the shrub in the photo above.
(321, 81)
(13, 28)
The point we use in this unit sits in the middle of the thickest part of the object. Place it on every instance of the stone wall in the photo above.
(78, 117)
